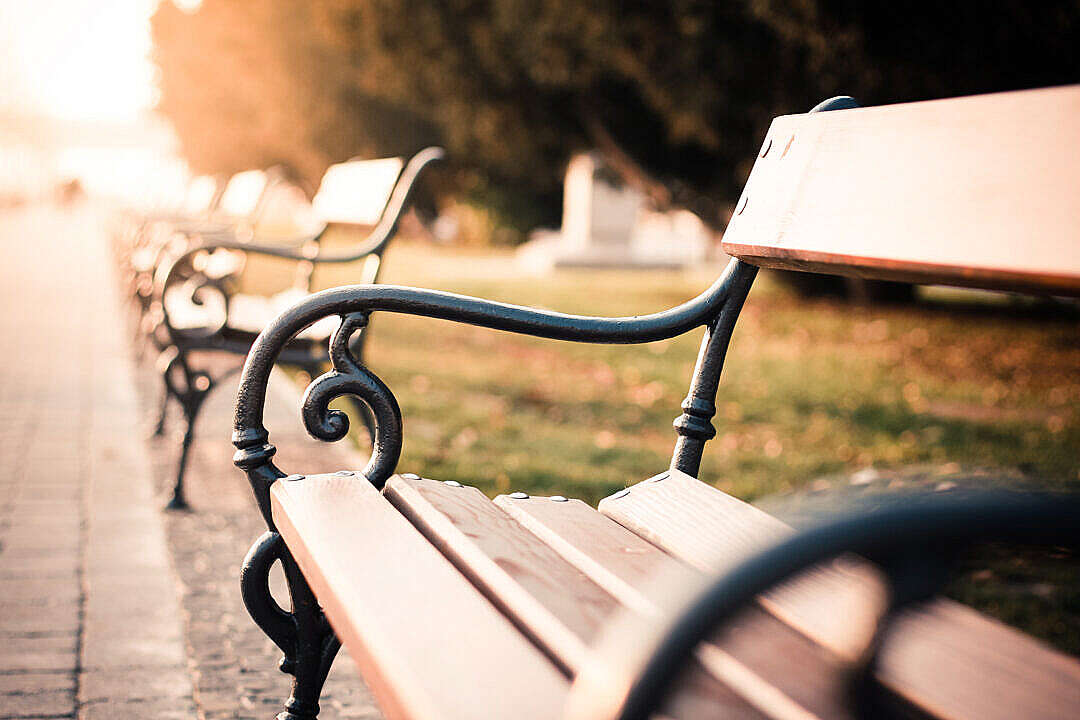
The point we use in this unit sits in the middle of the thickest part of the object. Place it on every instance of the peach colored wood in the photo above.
(945, 658)
(976, 191)
(552, 602)
(771, 666)
(549, 599)
(428, 643)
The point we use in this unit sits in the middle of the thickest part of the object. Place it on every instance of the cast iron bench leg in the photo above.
(304, 635)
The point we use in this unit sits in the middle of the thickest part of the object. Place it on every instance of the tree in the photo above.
(253, 84)
(677, 94)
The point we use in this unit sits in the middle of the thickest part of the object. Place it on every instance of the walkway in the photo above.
(89, 620)
(110, 608)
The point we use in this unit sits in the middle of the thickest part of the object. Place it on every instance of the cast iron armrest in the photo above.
(717, 309)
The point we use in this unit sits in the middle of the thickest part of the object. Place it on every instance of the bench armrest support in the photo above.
(717, 309)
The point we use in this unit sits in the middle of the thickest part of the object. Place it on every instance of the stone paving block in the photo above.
(37, 591)
(61, 617)
(54, 653)
(32, 682)
(135, 683)
(178, 709)
(32, 538)
(37, 704)
(14, 568)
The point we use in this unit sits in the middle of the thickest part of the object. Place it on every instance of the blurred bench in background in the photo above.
(455, 606)
(202, 300)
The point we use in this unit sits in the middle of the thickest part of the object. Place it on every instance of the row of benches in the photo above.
(185, 272)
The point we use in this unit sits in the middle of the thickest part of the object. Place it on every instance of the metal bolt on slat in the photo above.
(293, 478)
(344, 472)
(519, 495)
(558, 498)
(410, 476)
(452, 483)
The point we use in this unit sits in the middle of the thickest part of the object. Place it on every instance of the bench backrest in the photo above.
(199, 196)
(243, 193)
(357, 191)
(981, 191)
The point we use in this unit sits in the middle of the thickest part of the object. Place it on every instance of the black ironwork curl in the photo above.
(255, 589)
(307, 641)
(349, 378)
(909, 543)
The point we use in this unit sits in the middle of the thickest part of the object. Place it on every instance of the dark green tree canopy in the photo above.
(675, 94)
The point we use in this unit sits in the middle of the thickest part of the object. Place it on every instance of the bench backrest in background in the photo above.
(356, 192)
(981, 191)
(199, 196)
(243, 193)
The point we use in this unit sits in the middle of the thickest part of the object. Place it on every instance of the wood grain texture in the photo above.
(428, 643)
(552, 602)
(771, 666)
(944, 657)
(549, 599)
(977, 191)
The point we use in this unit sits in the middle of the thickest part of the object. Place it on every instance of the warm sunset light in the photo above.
(77, 59)
(77, 86)
(544, 360)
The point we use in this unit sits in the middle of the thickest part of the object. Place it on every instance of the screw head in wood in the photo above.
(452, 483)
(293, 478)
(558, 498)
(410, 476)
(519, 495)
(344, 472)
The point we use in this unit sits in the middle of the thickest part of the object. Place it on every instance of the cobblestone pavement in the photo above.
(110, 607)
(89, 619)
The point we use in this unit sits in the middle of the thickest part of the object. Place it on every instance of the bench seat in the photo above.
(438, 565)
(428, 642)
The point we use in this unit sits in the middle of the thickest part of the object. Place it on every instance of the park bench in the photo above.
(201, 303)
(206, 212)
(673, 599)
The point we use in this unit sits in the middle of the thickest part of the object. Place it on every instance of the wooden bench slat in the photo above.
(552, 601)
(772, 666)
(972, 191)
(428, 643)
(945, 658)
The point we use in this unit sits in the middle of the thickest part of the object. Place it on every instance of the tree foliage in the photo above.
(676, 94)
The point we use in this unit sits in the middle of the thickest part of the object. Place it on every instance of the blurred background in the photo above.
(595, 149)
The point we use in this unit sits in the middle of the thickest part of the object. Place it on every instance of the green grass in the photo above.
(811, 388)
(972, 386)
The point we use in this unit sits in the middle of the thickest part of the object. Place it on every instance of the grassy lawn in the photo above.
(962, 388)
(812, 389)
